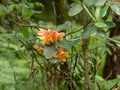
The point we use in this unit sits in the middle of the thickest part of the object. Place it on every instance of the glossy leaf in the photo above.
(48, 51)
(90, 2)
(101, 33)
(88, 31)
(88, 10)
(100, 24)
(74, 41)
(116, 3)
(53, 60)
(97, 12)
(100, 2)
(64, 26)
(75, 9)
(64, 44)
(104, 10)
(115, 9)
(110, 24)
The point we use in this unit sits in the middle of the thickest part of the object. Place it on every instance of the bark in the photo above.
(112, 65)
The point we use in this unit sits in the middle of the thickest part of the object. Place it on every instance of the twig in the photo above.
(25, 25)
(113, 40)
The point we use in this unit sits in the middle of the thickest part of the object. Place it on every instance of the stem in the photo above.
(85, 47)
(89, 11)
(113, 40)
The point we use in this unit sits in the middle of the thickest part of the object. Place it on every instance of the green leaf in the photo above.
(2, 11)
(118, 80)
(88, 31)
(64, 44)
(100, 2)
(64, 26)
(116, 37)
(97, 12)
(75, 9)
(107, 85)
(25, 32)
(13, 7)
(2, 29)
(26, 12)
(18, 38)
(39, 5)
(110, 24)
(115, 9)
(74, 41)
(108, 51)
(88, 10)
(90, 2)
(98, 78)
(101, 33)
(53, 60)
(116, 3)
(104, 10)
(25, 1)
(48, 51)
(100, 24)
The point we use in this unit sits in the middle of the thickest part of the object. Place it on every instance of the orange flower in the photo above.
(50, 37)
(60, 36)
(62, 55)
(54, 55)
(38, 48)
(42, 33)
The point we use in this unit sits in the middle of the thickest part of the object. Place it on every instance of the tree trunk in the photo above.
(112, 65)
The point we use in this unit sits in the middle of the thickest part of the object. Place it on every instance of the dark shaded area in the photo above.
(112, 65)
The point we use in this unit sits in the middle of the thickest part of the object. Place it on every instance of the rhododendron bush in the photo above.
(60, 44)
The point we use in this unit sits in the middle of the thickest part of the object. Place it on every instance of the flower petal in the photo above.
(42, 33)
(62, 56)
(38, 48)
(50, 37)
(60, 36)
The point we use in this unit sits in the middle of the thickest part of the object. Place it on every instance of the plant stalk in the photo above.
(85, 53)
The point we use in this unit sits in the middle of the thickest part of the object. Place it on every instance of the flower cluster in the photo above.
(48, 38)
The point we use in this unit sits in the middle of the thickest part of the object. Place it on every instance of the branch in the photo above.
(113, 40)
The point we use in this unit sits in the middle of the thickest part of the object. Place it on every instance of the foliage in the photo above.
(37, 55)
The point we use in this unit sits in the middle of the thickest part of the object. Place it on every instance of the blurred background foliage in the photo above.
(19, 23)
